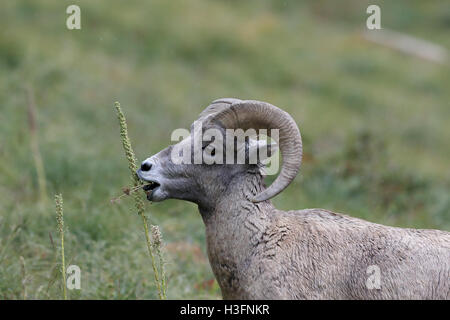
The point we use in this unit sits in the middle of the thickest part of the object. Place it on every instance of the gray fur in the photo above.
(259, 252)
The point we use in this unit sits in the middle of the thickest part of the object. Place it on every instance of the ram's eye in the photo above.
(205, 144)
(210, 149)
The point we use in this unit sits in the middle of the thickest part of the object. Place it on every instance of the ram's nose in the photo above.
(146, 166)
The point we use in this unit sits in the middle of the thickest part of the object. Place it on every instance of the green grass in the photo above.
(374, 124)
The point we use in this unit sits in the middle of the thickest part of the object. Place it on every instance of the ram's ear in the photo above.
(261, 150)
(271, 148)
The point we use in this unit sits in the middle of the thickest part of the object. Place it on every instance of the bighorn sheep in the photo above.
(259, 252)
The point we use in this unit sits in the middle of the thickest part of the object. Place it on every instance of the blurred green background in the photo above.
(375, 125)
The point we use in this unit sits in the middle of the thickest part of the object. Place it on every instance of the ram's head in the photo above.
(201, 166)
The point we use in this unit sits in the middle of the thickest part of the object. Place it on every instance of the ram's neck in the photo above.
(235, 227)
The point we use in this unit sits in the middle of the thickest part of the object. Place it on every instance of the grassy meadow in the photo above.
(374, 121)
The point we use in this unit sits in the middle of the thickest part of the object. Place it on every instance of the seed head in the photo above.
(59, 212)
(157, 237)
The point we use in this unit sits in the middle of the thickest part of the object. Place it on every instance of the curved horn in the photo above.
(256, 115)
(216, 106)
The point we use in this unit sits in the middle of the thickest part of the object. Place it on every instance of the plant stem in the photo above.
(24, 278)
(157, 244)
(34, 142)
(60, 220)
(150, 251)
(163, 275)
(129, 154)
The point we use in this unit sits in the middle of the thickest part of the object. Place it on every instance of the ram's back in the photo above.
(324, 255)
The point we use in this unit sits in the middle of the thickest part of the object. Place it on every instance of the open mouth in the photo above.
(150, 187)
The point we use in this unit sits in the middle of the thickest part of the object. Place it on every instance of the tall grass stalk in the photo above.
(139, 203)
(158, 243)
(34, 142)
(24, 278)
(60, 220)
